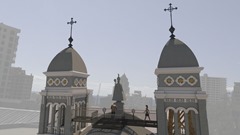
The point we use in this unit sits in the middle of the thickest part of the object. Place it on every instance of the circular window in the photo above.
(76, 82)
(192, 80)
(50, 81)
(57, 81)
(64, 81)
(169, 81)
(180, 80)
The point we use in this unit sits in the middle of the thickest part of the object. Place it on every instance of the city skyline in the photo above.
(124, 37)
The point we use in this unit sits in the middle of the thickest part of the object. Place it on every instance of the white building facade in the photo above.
(215, 88)
(14, 83)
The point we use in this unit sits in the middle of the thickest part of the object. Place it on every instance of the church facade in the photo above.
(180, 101)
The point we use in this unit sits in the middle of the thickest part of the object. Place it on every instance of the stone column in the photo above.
(176, 128)
(203, 117)
(186, 123)
(75, 115)
(59, 119)
(46, 118)
(52, 119)
(80, 114)
(68, 118)
(42, 119)
(68, 121)
(166, 122)
(197, 125)
(84, 111)
(161, 117)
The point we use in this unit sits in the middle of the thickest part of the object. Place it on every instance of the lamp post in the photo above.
(133, 111)
(104, 111)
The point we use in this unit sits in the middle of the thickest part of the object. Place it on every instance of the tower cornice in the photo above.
(66, 73)
(178, 70)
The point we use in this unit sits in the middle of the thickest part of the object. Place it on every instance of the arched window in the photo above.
(62, 117)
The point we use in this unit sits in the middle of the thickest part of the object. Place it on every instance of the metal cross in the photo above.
(71, 23)
(70, 38)
(170, 9)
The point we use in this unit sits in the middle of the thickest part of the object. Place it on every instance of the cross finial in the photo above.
(170, 9)
(70, 38)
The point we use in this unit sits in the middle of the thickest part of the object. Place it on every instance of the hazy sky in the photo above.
(124, 36)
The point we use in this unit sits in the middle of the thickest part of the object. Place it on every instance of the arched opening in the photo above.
(76, 114)
(192, 122)
(170, 121)
(176, 122)
(62, 117)
(55, 115)
(181, 122)
(48, 117)
(83, 114)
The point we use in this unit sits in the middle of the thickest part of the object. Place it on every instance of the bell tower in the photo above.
(65, 94)
(180, 101)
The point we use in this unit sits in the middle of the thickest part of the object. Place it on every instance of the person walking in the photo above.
(147, 112)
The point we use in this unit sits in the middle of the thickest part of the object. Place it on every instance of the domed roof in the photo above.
(67, 60)
(177, 54)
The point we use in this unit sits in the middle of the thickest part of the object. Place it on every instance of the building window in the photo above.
(11, 38)
(12, 32)
(10, 44)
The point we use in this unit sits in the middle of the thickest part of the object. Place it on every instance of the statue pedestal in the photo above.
(120, 108)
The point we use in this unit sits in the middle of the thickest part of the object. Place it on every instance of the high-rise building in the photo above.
(215, 88)
(235, 105)
(236, 92)
(19, 85)
(8, 48)
(14, 83)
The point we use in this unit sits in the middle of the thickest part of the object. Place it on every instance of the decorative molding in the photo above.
(67, 73)
(179, 88)
(169, 80)
(64, 82)
(80, 82)
(191, 80)
(177, 70)
(184, 100)
(180, 100)
(50, 82)
(180, 80)
(51, 104)
(57, 82)
(57, 91)
(181, 108)
(163, 95)
(56, 97)
(159, 94)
